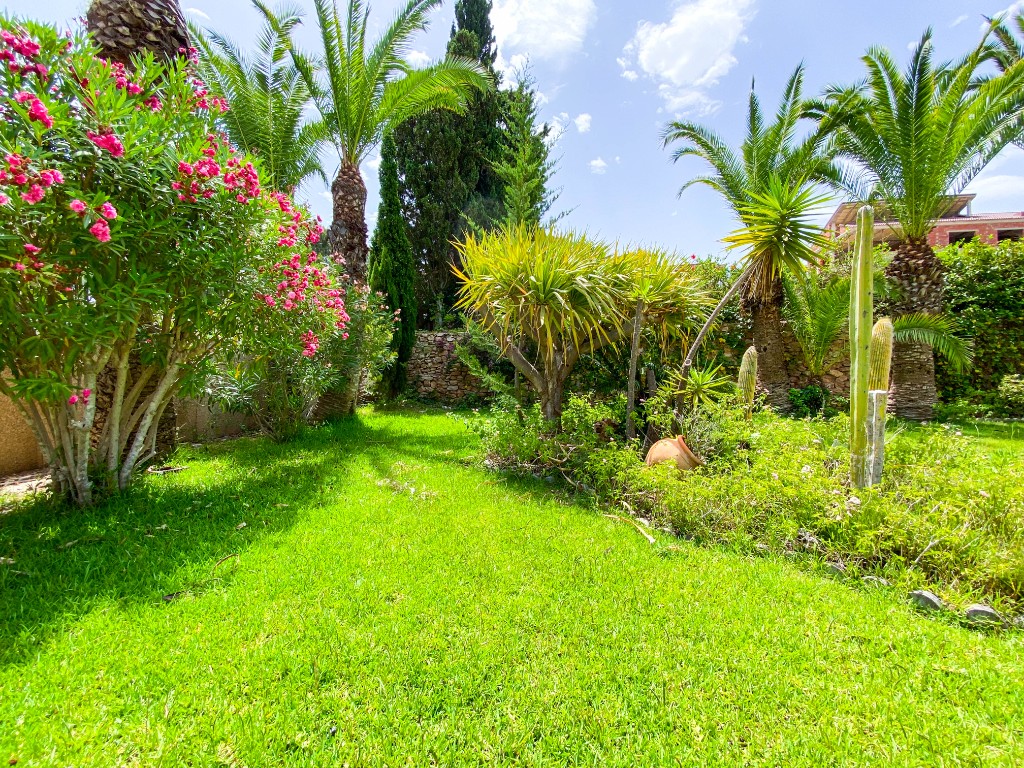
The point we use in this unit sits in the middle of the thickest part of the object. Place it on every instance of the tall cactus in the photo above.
(881, 355)
(878, 396)
(748, 380)
(861, 311)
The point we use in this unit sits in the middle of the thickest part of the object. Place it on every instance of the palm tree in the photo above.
(123, 28)
(769, 184)
(920, 135)
(268, 100)
(362, 91)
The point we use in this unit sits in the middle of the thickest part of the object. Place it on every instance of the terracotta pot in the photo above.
(674, 449)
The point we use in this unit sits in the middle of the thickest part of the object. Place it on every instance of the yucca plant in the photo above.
(363, 90)
(551, 297)
(770, 184)
(268, 99)
(663, 295)
(921, 134)
(699, 386)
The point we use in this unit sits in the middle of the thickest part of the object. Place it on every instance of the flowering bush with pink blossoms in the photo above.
(135, 246)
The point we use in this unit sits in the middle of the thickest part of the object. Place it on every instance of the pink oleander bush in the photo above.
(137, 245)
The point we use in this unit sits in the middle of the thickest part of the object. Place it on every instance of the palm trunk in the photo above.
(735, 288)
(348, 233)
(772, 371)
(123, 28)
(919, 279)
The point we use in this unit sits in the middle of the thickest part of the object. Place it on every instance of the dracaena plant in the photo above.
(132, 231)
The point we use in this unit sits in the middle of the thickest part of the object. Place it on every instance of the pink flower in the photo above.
(19, 267)
(185, 168)
(73, 399)
(85, 394)
(29, 248)
(34, 194)
(109, 142)
(24, 97)
(49, 178)
(4, 199)
(38, 113)
(108, 211)
(101, 231)
(79, 207)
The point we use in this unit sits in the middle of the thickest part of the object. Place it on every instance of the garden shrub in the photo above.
(808, 401)
(132, 230)
(983, 292)
(1011, 396)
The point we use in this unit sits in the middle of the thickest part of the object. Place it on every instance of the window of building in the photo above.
(961, 237)
(1009, 234)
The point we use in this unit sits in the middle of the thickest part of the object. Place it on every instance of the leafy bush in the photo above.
(983, 292)
(1011, 396)
(808, 401)
(131, 230)
(949, 513)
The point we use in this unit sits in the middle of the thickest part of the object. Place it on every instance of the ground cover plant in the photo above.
(343, 599)
(948, 515)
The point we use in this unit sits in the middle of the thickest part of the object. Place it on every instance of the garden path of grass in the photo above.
(392, 604)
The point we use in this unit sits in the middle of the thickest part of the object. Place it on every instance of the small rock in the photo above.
(876, 581)
(926, 601)
(837, 568)
(240, 526)
(983, 614)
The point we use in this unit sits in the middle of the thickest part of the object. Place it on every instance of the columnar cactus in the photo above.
(861, 311)
(878, 396)
(881, 355)
(748, 380)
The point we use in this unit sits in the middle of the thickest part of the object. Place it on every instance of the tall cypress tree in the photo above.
(445, 163)
(392, 270)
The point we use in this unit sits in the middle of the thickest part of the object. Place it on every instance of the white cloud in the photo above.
(197, 12)
(1006, 13)
(547, 29)
(998, 191)
(912, 45)
(959, 20)
(583, 122)
(598, 166)
(417, 59)
(688, 54)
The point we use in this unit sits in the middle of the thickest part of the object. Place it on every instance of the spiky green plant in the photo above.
(919, 135)
(550, 297)
(769, 182)
(268, 99)
(364, 89)
(861, 308)
(748, 380)
(699, 386)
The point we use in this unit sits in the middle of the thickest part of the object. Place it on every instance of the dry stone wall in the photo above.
(436, 374)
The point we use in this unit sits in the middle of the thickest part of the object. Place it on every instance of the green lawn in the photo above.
(383, 601)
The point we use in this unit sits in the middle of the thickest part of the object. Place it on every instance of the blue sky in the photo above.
(613, 73)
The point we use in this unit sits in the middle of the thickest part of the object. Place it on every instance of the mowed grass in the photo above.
(384, 601)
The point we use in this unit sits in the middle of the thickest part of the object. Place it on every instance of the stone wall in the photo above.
(19, 451)
(437, 375)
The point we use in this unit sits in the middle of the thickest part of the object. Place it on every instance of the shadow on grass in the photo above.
(168, 535)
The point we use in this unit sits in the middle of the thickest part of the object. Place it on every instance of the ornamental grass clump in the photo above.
(133, 231)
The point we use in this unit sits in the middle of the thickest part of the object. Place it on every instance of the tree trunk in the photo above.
(123, 28)
(551, 398)
(737, 285)
(772, 371)
(348, 233)
(634, 359)
(919, 280)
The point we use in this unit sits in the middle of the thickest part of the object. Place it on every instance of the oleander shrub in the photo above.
(132, 230)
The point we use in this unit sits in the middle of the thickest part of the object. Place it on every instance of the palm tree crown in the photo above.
(268, 99)
(925, 132)
(364, 90)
